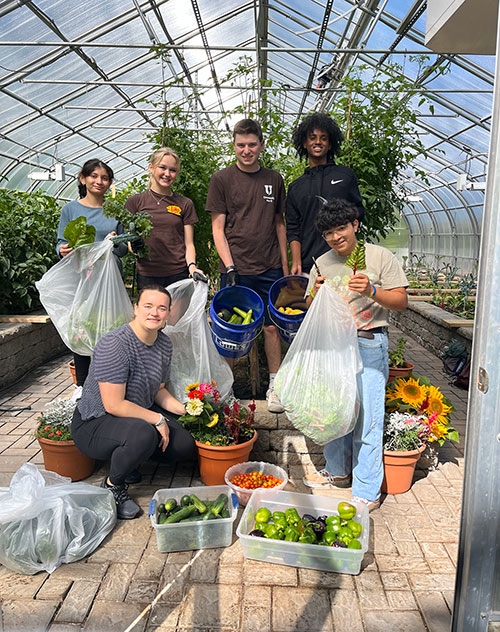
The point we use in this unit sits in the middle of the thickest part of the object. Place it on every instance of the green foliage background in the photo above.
(28, 232)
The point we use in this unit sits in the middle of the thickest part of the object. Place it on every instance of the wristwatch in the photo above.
(161, 422)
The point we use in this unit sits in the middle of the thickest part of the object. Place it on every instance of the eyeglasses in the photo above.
(338, 230)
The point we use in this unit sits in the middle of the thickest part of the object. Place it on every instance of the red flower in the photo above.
(196, 394)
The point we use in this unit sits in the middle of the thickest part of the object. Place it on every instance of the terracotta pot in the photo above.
(215, 460)
(66, 459)
(400, 371)
(399, 468)
(72, 370)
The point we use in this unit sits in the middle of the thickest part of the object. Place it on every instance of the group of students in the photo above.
(125, 413)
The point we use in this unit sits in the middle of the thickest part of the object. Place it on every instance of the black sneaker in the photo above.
(133, 478)
(126, 508)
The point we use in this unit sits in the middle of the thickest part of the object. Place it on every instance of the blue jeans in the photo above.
(361, 450)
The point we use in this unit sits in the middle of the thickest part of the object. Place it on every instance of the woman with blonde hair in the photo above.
(172, 254)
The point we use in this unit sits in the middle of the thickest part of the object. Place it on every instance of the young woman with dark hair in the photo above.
(94, 180)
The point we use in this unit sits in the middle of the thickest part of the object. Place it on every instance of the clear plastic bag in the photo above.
(195, 357)
(85, 297)
(46, 520)
(316, 382)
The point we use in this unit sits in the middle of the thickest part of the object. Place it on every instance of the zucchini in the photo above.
(185, 512)
(200, 506)
(240, 312)
(219, 504)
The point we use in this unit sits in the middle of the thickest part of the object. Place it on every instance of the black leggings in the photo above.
(128, 441)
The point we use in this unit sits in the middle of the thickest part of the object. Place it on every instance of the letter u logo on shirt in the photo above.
(269, 189)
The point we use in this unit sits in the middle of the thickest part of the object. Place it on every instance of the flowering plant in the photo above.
(214, 422)
(416, 413)
(55, 422)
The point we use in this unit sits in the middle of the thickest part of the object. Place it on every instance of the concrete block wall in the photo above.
(426, 324)
(278, 442)
(24, 346)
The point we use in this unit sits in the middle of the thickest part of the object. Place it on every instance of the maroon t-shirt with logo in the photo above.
(250, 202)
(167, 250)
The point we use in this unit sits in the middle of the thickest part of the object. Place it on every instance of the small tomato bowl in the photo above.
(267, 469)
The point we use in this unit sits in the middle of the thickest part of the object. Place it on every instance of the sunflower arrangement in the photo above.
(214, 422)
(416, 413)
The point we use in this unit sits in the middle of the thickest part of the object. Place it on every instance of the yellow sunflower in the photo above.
(409, 391)
(437, 405)
(192, 387)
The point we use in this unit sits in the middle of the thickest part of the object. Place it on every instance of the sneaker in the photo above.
(126, 508)
(324, 479)
(133, 478)
(77, 393)
(371, 504)
(273, 403)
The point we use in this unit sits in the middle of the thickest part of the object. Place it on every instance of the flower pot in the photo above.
(400, 371)
(214, 460)
(399, 468)
(64, 458)
(72, 370)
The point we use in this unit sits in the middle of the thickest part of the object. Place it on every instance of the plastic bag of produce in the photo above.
(46, 520)
(316, 382)
(195, 357)
(85, 297)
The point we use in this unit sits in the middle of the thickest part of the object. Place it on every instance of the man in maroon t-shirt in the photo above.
(247, 203)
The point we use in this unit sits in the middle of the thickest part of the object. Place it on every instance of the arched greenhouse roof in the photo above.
(79, 82)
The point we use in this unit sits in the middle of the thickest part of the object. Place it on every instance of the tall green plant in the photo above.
(28, 231)
(381, 140)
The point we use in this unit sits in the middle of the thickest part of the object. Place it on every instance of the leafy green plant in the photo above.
(381, 139)
(397, 355)
(140, 223)
(78, 232)
(28, 231)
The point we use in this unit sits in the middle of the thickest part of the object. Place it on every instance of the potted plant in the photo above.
(223, 431)
(398, 366)
(417, 415)
(59, 451)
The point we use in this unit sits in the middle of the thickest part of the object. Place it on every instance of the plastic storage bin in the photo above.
(254, 466)
(322, 558)
(186, 536)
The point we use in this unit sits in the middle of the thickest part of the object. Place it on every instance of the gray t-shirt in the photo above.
(383, 270)
(121, 358)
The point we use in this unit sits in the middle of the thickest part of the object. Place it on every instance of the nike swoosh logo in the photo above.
(335, 181)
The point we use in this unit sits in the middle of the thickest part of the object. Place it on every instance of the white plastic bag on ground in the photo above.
(85, 297)
(195, 357)
(46, 520)
(316, 382)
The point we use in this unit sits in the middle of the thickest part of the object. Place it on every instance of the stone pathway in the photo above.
(406, 581)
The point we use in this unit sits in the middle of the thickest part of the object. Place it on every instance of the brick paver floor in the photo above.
(406, 580)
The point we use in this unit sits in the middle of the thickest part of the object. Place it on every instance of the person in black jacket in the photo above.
(317, 137)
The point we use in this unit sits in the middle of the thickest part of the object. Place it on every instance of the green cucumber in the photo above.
(200, 506)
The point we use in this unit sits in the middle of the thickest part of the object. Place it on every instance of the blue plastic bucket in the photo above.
(235, 341)
(294, 285)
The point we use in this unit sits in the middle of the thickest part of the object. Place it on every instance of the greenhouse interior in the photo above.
(413, 87)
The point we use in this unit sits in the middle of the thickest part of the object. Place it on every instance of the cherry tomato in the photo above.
(254, 480)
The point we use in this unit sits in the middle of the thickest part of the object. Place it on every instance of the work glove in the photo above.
(199, 276)
(231, 276)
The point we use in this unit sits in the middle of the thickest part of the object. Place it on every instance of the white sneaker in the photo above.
(273, 403)
(77, 393)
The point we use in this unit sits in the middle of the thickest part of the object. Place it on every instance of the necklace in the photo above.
(162, 198)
